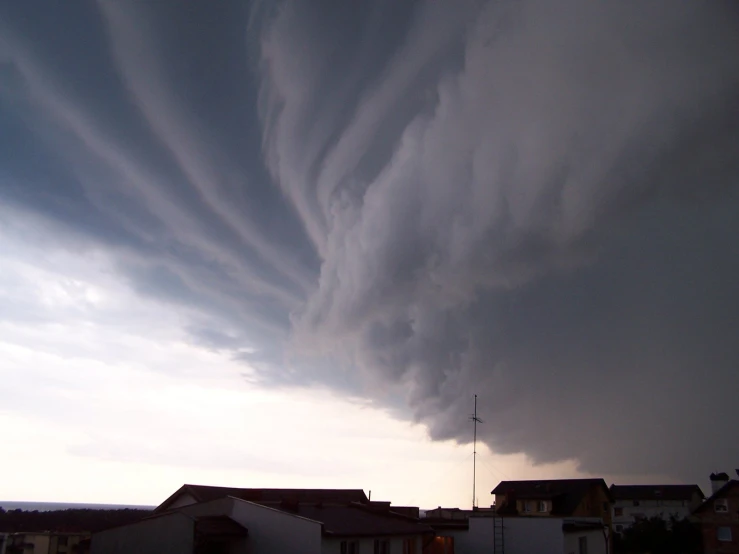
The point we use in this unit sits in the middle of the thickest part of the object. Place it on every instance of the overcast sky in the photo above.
(284, 243)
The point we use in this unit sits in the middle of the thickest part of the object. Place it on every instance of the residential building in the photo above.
(632, 503)
(718, 517)
(191, 494)
(568, 516)
(527, 535)
(319, 522)
(588, 498)
(44, 542)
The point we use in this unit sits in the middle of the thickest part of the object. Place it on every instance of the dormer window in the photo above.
(542, 506)
(721, 505)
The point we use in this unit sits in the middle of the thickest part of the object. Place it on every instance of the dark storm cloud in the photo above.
(532, 203)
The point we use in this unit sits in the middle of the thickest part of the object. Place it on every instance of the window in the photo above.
(542, 506)
(62, 540)
(721, 505)
(582, 545)
(618, 512)
(636, 502)
(723, 534)
(349, 547)
(409, 546)
(619, 528)
(382, 547)
(526, 507)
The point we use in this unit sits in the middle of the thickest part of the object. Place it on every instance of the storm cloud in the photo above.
(530, 202)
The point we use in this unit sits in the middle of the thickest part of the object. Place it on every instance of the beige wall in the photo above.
(595, 504)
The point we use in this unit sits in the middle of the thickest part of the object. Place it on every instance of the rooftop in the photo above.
(204, 493)
(655, 492)
(358, 520)
(565, 494)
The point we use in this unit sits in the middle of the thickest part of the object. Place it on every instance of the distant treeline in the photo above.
(73, 520)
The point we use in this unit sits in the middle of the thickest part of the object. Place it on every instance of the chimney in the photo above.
(718, 480)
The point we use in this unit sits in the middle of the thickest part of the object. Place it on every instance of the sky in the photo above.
(283, 243)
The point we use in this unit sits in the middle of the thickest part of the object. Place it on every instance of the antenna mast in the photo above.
(475, 420)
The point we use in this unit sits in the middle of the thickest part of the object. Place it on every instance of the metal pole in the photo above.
(474, 454)
(475, 421)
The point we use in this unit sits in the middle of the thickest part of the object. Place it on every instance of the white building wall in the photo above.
(170, 534)
(648, 509)
(525, 535)
(596, 542)
(270, 530)
(530, 535)
(275, 531)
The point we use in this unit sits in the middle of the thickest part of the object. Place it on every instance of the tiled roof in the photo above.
(203, 493)
(655, 492)
(718, 494)
(359, 520)
(565, 494)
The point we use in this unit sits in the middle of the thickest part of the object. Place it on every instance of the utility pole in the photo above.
(475, 420)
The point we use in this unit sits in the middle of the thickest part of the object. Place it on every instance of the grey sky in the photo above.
(415, 201)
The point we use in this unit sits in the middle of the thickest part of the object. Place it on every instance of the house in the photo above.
(589, 498)
(527, 535)
(568, 516)
(44, 542)
(283, 520)
(632, 503)
(718, 516)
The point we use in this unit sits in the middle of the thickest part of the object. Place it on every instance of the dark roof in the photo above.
(655, 492)
(578, 526)
(719, 476)
(718, 494)
(566, 494)
(203, 493)
(445, 524)
(359, 520)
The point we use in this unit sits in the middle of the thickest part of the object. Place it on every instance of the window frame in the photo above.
(541, 507)
(526, 506)
(381, 546)
(727, 537)
(723, 503)
(349, 547)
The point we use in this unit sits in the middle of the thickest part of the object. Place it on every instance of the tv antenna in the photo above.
(475, 420)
